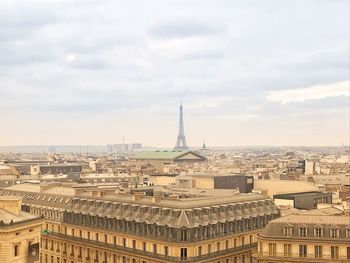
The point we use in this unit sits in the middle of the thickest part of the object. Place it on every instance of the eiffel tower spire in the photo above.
(181, 144)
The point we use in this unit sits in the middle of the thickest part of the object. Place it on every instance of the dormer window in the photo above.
(287, 231)
(318, 232)
(303, 231)
(347, 232)
(334, 232)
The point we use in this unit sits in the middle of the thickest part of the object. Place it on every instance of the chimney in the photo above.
(138, 195)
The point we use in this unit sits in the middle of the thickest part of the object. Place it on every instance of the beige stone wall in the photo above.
(53, 247)
(204, 182)
(20, 236)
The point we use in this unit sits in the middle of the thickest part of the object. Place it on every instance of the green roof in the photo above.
(162, 155)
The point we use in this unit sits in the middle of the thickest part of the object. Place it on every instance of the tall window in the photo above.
(348, 252)
(154, 248)
(183, 252)
(166, 250)
(334, 233)
(318, 232)
(287, 250)
(144, 246)
(302, 251)
(209, 248)
(287, 231)
(199, 250)
(16, 250)
(318, 251)
(183, 235)
(334, 252)
(302, 231)
(272, 249)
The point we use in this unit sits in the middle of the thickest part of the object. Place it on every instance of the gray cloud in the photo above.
(122, 62)
(183, 28)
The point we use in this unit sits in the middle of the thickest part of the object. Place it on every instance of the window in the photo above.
(287, 250)
(348, 252)
(144, 246)
(209, 248)
(80, 233)
(199, 250)
(250, 239)
(183, 235)
(334, 233)
(235, 242)
(114, 240)
(318, 232)
(72, 231)
(272, 249)
(334, 252)
(347, 233)
(226, 244)
(218, 246)
(183, 253)
(287, 231)
(16, 250)
(134, 244)
(318, 251)
(96, 236)
(166, 250)
(106, 238)
(124, 242)
(302, 251)
(243, 241)
(302, 231)
(154, 248)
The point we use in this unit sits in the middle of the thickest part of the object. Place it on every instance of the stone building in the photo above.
(111, 227)
(305, 238)
(19, 233)
(159, 160)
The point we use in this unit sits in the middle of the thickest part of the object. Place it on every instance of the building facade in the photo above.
(135, 228)
(19, 233)
(305, 238)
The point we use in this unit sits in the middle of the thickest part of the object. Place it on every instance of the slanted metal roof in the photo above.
(164, 155)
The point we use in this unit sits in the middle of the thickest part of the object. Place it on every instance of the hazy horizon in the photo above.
(268, 73)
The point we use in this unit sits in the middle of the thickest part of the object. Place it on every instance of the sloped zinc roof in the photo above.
(163, 155)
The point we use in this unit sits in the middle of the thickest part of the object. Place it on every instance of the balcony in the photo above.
(280, 257)
(141, 253)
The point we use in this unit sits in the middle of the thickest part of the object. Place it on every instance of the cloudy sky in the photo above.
(248, 72)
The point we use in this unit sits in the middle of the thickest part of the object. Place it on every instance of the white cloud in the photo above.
(315, 92)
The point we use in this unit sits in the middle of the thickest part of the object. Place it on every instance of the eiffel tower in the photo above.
(181, 144)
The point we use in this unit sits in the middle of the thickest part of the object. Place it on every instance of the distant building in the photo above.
(305, 238)
(123, 147)
(19, 233)
(61, 168)
(304, 200)
(160, 159)
(244, 183)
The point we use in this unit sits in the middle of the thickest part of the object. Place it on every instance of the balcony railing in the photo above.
(142, 253)
(296, 256)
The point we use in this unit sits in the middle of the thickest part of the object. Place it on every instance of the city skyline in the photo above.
(272, 73)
